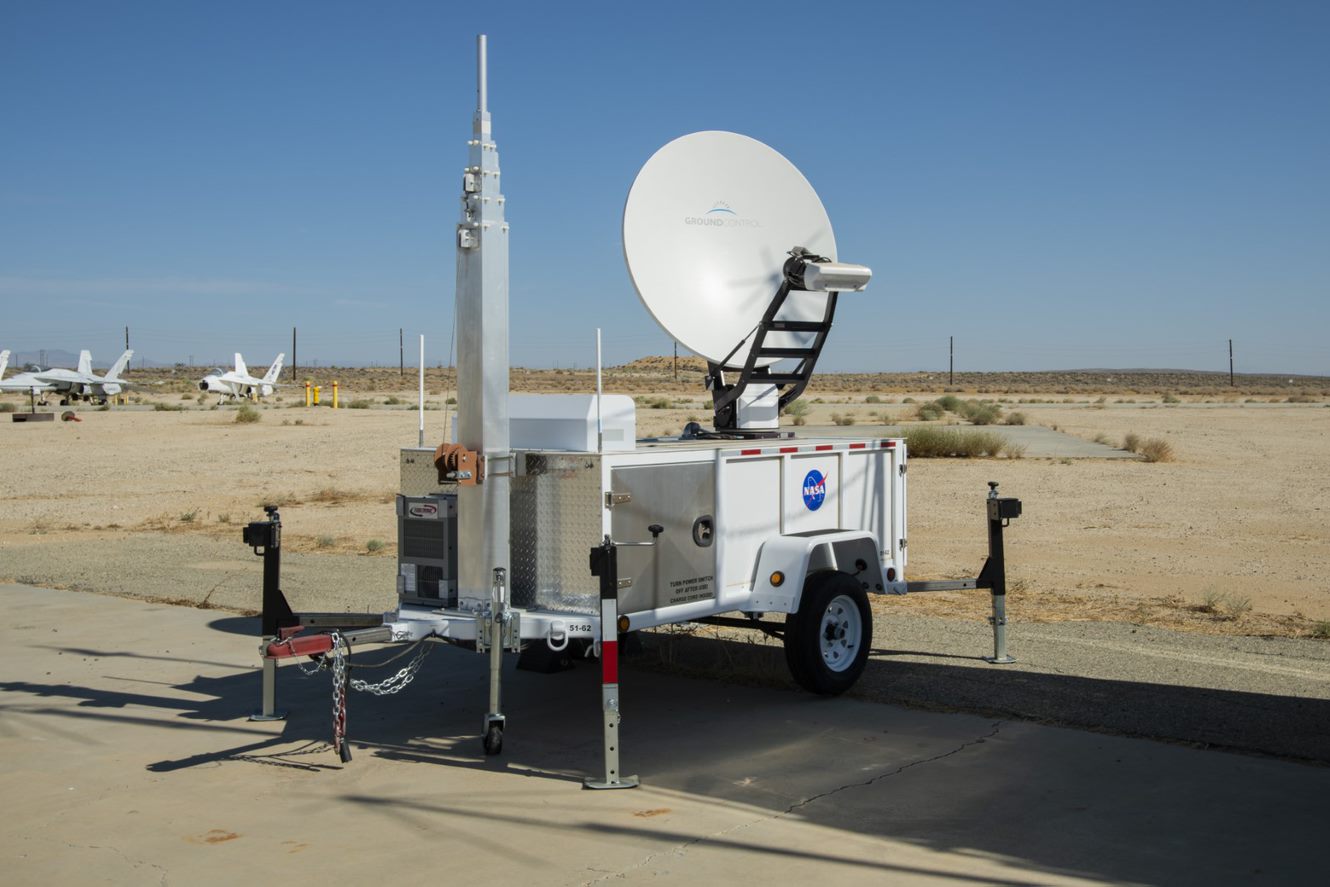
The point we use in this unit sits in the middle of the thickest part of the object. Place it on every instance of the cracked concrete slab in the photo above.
(126, 747)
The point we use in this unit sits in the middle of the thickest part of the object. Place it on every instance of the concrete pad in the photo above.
(126, 749)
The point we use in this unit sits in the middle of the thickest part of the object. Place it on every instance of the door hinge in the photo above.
(612, 499)
(902, 469)
(903, 544)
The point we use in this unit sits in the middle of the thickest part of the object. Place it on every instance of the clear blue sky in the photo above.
(1056, 184)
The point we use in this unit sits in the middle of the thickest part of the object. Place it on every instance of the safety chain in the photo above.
(397, 682)
(338, 694)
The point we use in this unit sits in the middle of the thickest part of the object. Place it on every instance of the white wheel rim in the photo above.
(841, 634)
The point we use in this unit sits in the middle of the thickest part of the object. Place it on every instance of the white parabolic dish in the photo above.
(707, 228)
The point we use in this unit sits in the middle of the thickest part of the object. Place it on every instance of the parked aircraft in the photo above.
(239, 383)
(26, 381)
(83, 383)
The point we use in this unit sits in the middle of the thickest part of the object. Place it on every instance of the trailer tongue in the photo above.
(547, 528)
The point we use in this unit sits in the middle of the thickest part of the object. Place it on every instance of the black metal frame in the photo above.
(725, 396)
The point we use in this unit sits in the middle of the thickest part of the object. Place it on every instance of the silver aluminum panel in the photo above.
(677, 569)
(556, 521)
(419, 477)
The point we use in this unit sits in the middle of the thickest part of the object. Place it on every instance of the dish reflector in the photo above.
(707, 228)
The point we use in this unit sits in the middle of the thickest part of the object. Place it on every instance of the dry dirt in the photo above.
(1231, 537)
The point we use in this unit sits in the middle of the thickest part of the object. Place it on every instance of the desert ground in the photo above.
(1231, 536)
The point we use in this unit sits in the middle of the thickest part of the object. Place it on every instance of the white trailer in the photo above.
(547, 524)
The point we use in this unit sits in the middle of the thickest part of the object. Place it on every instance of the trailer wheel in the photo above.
(827, 640)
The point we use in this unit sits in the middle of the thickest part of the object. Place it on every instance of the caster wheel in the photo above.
(493, 740)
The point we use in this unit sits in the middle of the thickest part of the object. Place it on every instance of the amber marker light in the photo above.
(777, 578)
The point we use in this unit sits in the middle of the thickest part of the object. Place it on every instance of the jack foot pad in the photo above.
(275, 716)
(625, 782)
(994, 660)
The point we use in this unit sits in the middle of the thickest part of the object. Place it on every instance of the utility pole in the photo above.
(676, 361)
(293, 354)
(401, 354)
(126, 338)
(1230, 363)
(951, 361)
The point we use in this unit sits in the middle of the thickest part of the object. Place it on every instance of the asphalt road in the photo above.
(129, 760)
(1263, 695)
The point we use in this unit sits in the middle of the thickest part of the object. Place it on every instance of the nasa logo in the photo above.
(815, 490)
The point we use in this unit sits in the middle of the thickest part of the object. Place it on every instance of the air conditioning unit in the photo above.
(427, 549)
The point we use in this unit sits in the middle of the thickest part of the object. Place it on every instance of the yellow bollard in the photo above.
(317, 389)
(334, 394)
(308, 393)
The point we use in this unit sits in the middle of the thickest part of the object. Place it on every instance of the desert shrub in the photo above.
(451, 401)
(1224, 605)
(188, 516)
(247, 415)
(798, 412)
(392, 400)
(1015, 419)
(374, 545)
(1170, 398)
(1156, 449)
(1300, 398)
(839, 419)
(167, 407)
(1321, 629)
(7, 408)
(325, 542)
(981, 413)
(658, 403)
(186, 397)
(949, 402)
(1013, 450)
(223, 518)
(872, 398)
(359, 404)
(1102, 438)
(1131, 442)
(928, 412)
(939, 442)
(908, 400)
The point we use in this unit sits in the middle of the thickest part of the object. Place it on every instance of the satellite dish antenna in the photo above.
(732, 253)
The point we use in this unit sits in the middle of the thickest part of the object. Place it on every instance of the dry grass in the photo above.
(933, 442)
(1131, 442)
(247, 415)
(1156, 449)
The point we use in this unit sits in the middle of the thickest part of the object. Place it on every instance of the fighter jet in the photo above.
(26, 381)
(239, 383)
(73, 385)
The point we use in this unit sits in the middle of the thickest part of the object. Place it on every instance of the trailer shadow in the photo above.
(1057, 802)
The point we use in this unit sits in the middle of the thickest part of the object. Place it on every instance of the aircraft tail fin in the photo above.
(275, 370)
(241, 369)
(85, 362)
(119, 366)
(4, 362)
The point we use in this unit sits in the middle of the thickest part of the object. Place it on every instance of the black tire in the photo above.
(493, 740)
(821, 649)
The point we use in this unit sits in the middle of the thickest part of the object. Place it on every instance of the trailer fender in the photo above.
(788, 560)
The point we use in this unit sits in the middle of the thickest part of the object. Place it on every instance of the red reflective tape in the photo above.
(889, 444)
(857, 446)
(750, 452)
(825, 446)
(309, 645)
(789, 449)
(609, 662)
